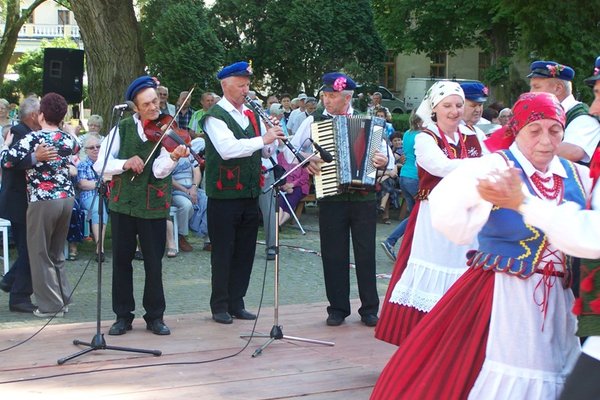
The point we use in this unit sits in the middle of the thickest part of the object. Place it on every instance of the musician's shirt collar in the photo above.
(349, 112)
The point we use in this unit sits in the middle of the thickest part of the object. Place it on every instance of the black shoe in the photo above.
(138, 255)
(369, 319)
(100, 257)
(158, 327)
(22, 307)
(120, 327)
(334, 320)
(222, 318)
(243, 314)
(5, 287)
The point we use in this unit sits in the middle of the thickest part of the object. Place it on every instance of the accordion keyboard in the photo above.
(326, 183)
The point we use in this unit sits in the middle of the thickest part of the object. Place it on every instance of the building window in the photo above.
(63, 17)
(437, 68)
(30, 19)
(485, 61)
(389, 70)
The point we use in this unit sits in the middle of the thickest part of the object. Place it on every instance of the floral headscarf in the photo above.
(436, 93)
(529, 107)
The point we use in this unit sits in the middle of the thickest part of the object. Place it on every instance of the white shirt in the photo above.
(296, 118)
(583, 131)
(457, 209)
(161, 167)
(225, 142)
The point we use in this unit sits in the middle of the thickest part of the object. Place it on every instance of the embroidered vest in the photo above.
(236, 178)
(587, 306)
(428, 181)
(146, 196)
(507, 244)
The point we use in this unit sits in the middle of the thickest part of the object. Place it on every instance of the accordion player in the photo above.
(352, 141)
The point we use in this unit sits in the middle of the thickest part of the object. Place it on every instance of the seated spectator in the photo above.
(95, 124)
(296, 187)
(186, 179)
(390, 183)
(87, 180)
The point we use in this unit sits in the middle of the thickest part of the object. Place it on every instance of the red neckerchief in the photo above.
(252, 118)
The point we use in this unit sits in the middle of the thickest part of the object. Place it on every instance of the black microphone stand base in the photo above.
(98, 343)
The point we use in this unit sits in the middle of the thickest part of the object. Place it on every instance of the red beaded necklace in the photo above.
(450, 151)
(549, 193)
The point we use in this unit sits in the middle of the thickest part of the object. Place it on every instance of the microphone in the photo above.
(325, 155)
(127, 106)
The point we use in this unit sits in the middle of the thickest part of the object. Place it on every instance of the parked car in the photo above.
(394, 104)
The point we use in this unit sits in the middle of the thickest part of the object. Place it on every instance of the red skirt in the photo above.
(442, 358)
(396, 321)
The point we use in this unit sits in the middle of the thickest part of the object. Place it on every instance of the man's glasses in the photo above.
(96, 147)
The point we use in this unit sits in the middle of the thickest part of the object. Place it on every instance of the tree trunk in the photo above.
(113, 49)
(11, 31)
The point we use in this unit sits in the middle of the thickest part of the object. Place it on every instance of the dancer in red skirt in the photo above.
(428, 263)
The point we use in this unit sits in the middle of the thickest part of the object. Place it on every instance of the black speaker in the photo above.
(63, 73)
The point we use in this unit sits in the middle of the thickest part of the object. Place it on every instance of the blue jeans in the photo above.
(409, 187)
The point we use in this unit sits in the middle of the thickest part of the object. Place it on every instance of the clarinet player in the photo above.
(345, 214)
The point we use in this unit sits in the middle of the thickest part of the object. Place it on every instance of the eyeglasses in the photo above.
(96, 147)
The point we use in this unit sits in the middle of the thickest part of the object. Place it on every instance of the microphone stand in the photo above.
(98, 342)
(277, 331)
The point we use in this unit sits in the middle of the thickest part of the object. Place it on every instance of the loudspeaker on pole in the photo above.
(63, 73)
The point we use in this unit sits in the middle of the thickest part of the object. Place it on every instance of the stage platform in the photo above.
(285, 370)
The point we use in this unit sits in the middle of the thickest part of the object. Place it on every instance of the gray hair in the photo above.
(310, 100)
(95, 119)
(29, 106)
(5, 103)
(89, 136)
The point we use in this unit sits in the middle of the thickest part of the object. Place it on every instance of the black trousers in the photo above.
(337, 221)
(19, 275)
(582, 383)
(152, 235)
(232, 228)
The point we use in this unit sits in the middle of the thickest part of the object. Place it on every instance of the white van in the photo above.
(415, 90)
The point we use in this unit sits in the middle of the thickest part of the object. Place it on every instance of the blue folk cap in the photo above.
(240, 68)
(475, 91)
(551, 69)
(336, 82)
(591, 81)
(138, 84)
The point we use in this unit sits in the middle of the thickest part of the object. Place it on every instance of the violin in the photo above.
(164, 129)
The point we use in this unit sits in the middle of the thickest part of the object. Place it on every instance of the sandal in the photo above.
(72, 256)
(171, 253)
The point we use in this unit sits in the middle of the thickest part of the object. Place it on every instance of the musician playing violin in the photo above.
(235, 140)
(345, 214)
(139, 203)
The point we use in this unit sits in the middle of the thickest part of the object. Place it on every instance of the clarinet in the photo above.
(265, 118)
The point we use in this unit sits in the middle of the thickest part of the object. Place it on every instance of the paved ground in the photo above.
(187, 277)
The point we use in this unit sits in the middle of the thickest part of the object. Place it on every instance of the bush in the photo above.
(400, 122)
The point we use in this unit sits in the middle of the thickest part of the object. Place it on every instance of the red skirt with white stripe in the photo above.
(442, 358)
(396, 321)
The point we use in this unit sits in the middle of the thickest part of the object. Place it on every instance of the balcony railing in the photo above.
(43, 31)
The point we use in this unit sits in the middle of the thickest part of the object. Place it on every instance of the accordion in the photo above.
(352, 141)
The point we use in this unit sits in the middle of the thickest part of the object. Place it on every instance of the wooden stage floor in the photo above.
(285, 370)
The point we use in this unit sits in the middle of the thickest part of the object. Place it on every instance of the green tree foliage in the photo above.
(292, 43)
(563, 31)
(31, 65)
(181, 47)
